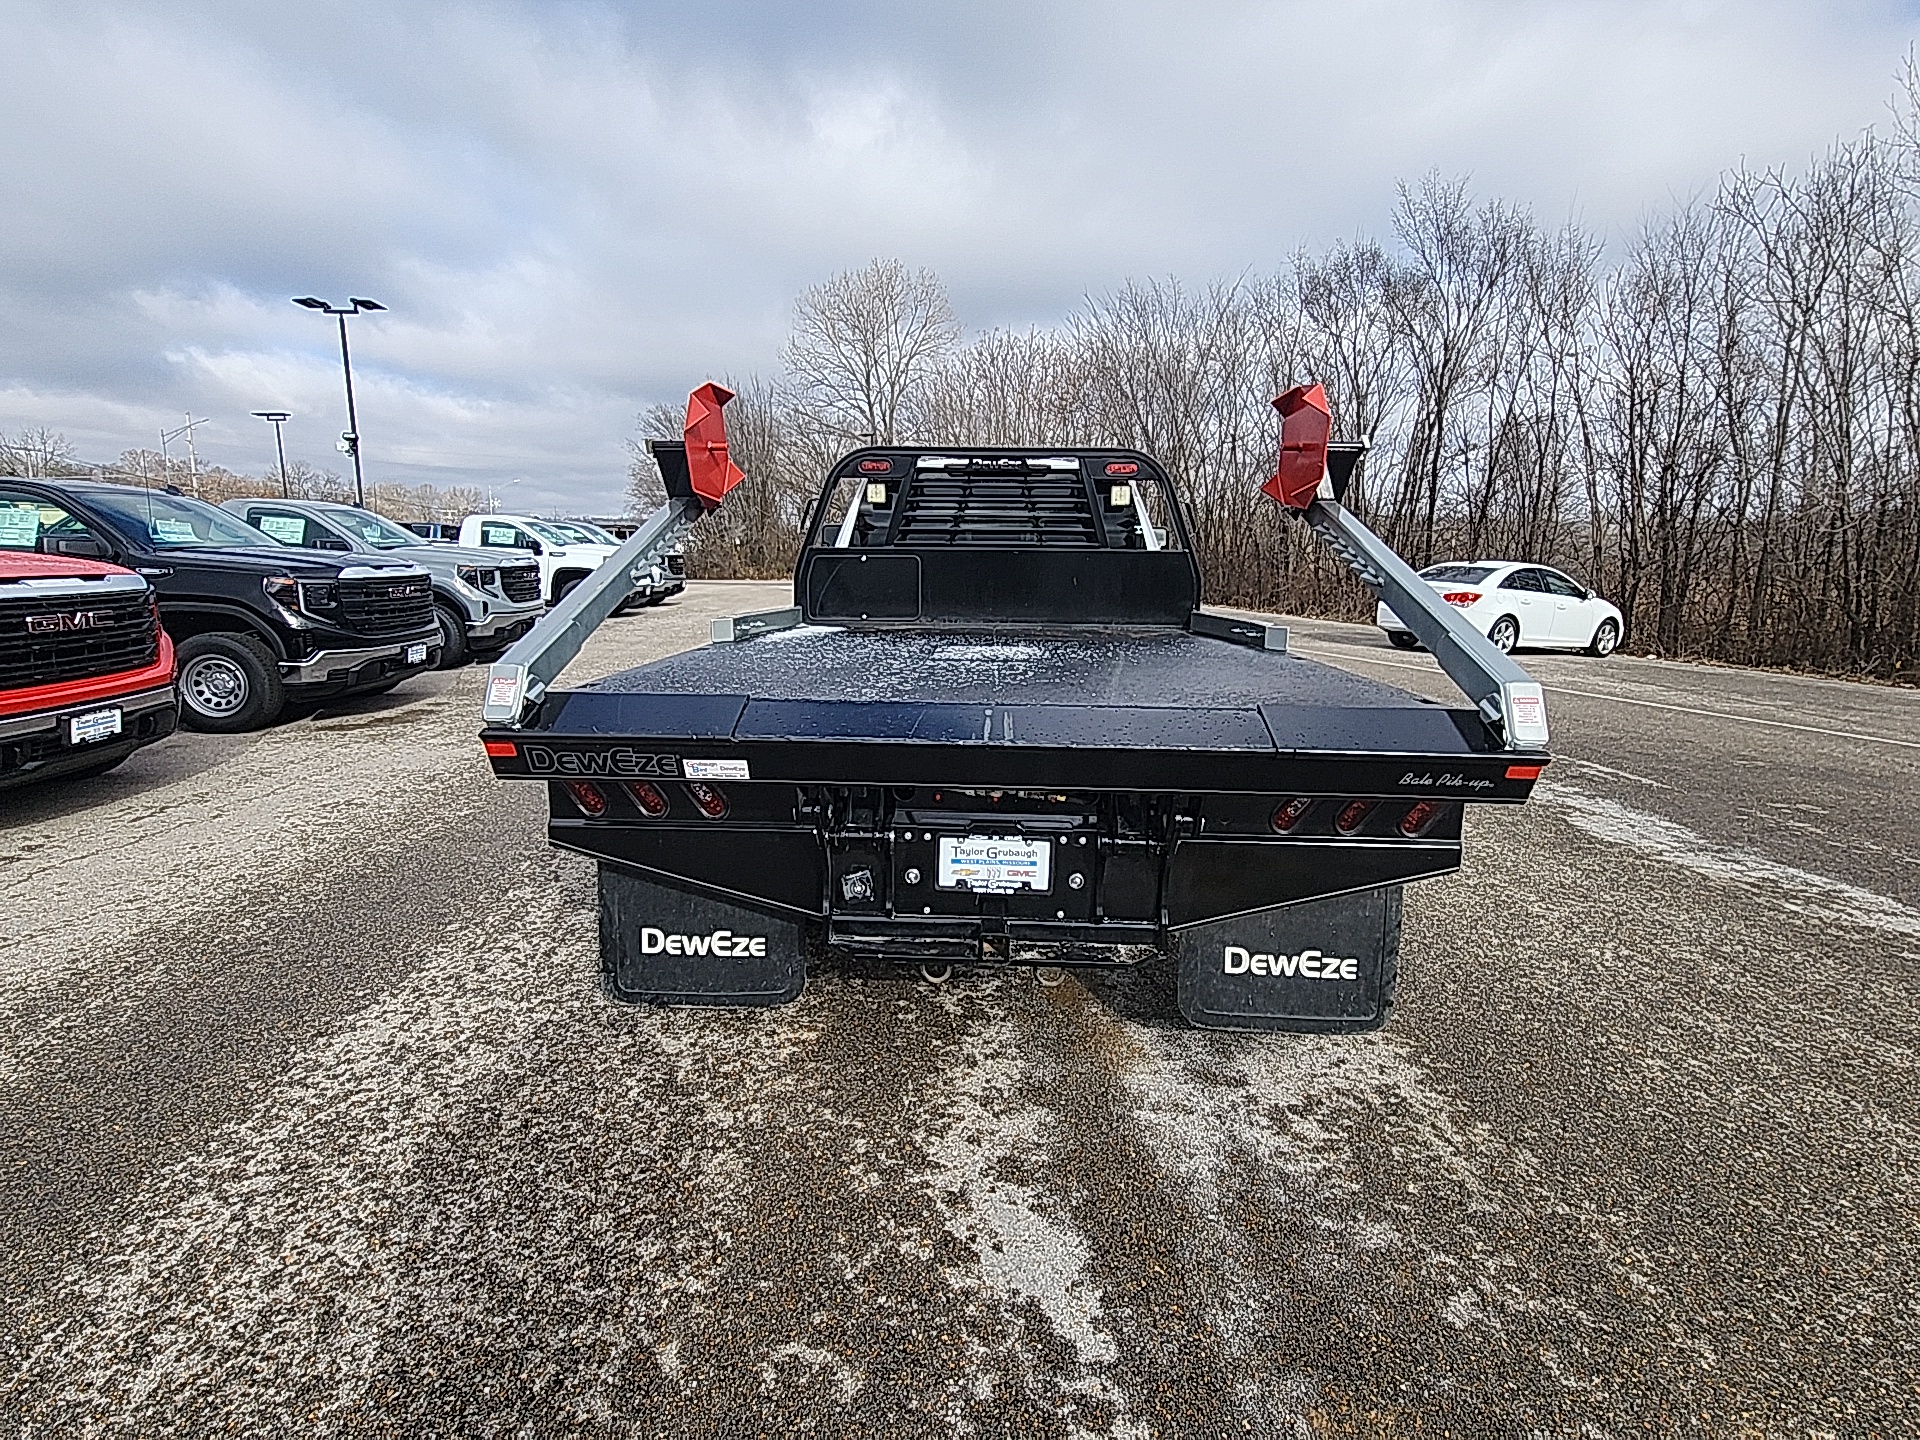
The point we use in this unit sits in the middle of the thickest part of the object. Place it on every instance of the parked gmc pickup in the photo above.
(86, 671)
(258, 624)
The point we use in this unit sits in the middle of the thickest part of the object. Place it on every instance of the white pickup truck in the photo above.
(565, 560)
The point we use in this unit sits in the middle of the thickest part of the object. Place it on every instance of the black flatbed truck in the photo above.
(997, 727)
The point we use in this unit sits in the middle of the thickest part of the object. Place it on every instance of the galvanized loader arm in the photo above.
(698, 474)
(1311, 477)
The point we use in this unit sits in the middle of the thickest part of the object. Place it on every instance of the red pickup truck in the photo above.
(86, 671)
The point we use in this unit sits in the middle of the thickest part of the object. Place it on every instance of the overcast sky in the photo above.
(575, 210)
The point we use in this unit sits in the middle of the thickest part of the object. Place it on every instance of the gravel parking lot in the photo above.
(314, 1121)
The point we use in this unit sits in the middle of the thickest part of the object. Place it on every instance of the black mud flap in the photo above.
(667, 946)
(1324, 965)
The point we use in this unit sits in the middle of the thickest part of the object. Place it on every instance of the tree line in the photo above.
(36, 450)
(1716, 423)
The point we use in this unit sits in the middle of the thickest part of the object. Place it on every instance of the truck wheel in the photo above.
(1604, 639)
(1505, 634)
(228, 683)
(453, 638)
(1402, 640)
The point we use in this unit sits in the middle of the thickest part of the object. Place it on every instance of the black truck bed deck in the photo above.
(1065, 707)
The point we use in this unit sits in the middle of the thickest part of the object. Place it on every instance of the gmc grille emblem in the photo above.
(407, 592)
(78, 620)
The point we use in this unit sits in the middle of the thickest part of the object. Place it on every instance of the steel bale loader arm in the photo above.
(698, 472)
(997, 726)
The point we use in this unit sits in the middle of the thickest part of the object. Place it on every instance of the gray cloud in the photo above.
(575, 210)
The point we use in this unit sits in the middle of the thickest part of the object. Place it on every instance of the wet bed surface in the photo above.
(1062, 688)
(314, 1122)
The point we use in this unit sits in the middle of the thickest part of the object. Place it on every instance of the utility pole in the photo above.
(193, 457)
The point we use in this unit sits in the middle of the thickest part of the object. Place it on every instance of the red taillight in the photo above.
(502, 749)
(708, 799)
(587, 796)
(1352, 815)
(1419, 816)
(1289, 813)
(876, 467)
(1523, 772)
(1123, 467)
(1462, 597)
(651, 799)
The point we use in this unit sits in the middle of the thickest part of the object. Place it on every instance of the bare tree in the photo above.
(864, 345)
(36, 450)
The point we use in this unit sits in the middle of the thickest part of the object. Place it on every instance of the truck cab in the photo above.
(483, 601)
(257, 624)
(86, 670)
(566, 556)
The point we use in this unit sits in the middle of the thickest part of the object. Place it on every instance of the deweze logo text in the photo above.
(543, 761)
(1308, 964)
(721, 942)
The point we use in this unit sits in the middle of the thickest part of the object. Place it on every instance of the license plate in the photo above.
(94, 725)
(416, 654)
(997, 864)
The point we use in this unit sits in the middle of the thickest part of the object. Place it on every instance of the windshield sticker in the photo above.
(19, 527)
(501, 535)
(287, 529)
(175, 530)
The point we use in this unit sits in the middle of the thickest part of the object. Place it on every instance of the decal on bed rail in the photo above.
(545, 761)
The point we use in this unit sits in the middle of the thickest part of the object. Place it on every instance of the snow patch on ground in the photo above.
(1023, 1244)
(1800, 891)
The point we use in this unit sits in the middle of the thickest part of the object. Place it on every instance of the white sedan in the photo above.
(1514, 604)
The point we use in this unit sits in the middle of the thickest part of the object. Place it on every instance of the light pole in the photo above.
(277, 418)
(350, 442)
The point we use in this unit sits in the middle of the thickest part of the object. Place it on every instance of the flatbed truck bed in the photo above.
(998, 727)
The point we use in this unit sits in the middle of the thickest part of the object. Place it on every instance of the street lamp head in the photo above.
(276, 416)
(360, 304)
(312, 302)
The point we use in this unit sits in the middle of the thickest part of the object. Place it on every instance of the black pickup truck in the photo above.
(998, 727)
(256, 624)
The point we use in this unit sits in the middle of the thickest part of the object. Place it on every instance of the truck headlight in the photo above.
(476, 576)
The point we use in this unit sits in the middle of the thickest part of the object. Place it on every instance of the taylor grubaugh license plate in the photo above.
(92, 726)
(416, 654)
(997, 864)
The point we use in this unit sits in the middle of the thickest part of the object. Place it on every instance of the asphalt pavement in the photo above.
(313, 1119)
